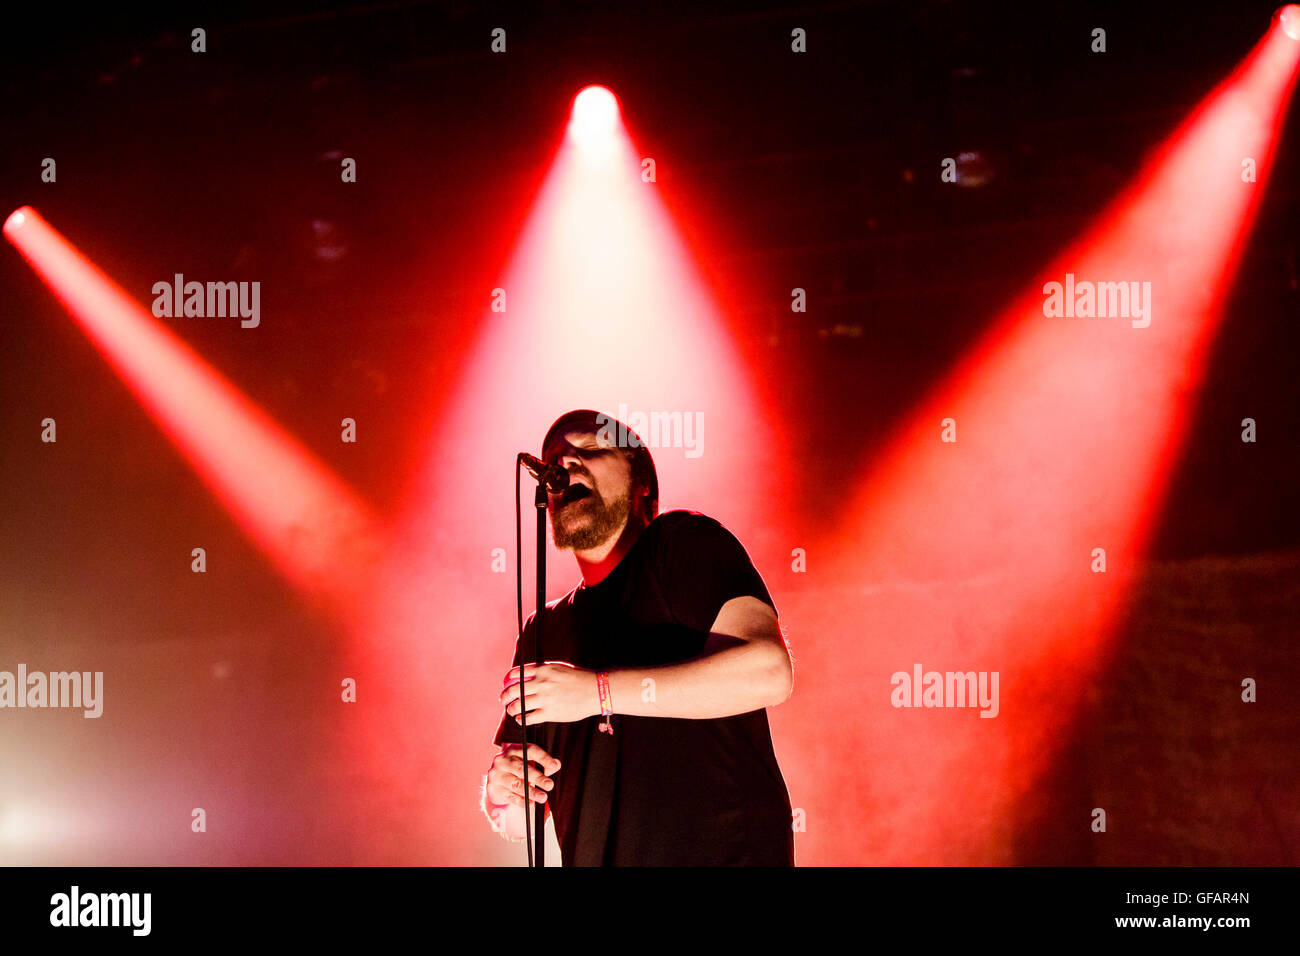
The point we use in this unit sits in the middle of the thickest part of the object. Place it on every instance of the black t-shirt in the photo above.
(660, 791)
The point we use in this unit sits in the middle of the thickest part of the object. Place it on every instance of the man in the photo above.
(652, 742)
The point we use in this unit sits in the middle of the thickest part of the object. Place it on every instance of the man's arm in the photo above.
(501, 796)
(745, 666)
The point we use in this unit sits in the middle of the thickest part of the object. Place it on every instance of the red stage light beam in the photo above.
(313, 528)
(600, 307)
(978, 555)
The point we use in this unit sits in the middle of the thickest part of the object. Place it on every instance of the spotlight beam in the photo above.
(316, 532)
(602, 306)
(979, 554)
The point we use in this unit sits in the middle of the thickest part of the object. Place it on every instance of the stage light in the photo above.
(974, 169)
(1288, 18)
(315, 530)
(593, 121)
(602, 306)
(1001, 529)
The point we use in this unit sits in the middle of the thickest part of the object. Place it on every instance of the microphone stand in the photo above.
(538, 470)
(539, 810)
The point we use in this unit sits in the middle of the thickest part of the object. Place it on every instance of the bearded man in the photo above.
(652, 740)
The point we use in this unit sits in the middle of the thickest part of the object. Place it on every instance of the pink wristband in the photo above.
(606, 702)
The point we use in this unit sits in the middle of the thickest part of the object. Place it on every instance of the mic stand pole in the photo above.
(539, 809)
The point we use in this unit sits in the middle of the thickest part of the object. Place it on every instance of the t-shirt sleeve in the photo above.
(508, 731)
(702, 566)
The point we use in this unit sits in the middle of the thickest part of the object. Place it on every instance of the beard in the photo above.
(588, 522)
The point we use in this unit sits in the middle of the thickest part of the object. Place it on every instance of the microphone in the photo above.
(554, 477)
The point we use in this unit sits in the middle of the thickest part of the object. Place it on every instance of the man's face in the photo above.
(595, 506)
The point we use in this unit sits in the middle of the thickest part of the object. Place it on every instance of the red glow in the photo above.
(319, 536)
(601, 307)
(976, 555)
(1289, 19)
(973, 555)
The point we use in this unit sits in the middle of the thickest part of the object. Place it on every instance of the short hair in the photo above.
(628, 441)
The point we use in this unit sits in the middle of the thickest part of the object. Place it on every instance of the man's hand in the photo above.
(556, 693)
(505, 781)
(503, 787)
